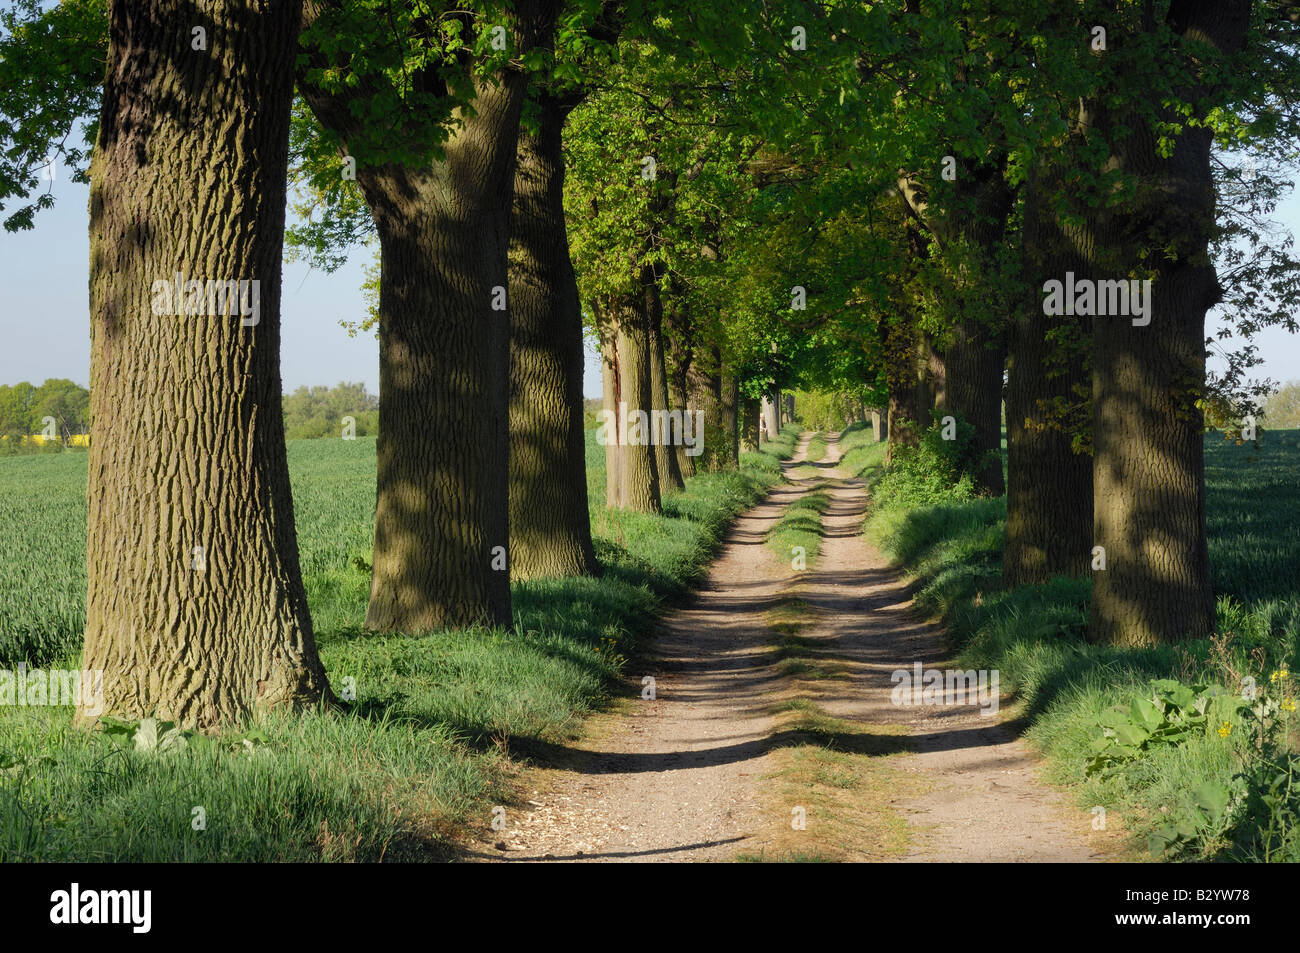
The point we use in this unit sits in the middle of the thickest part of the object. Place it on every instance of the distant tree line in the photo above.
(24, 408)
(1282, 409)
(308, 411)
(319, 411)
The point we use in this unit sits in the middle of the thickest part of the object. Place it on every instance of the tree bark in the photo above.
(550, 526)
(975, 360)
(750, 412)
(629, 387)
(771, 424)
(712, 391)
(1049, 484)
(611, 381)
(441, 515)
(729, 400)
(670, 474)
(444, 378)
(1149, 472)
(879, 425)
(195, 606)
(680, 346)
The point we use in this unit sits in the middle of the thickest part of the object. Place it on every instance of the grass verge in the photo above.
(1206, 796)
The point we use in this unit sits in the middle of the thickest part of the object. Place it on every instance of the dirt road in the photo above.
(683, 776)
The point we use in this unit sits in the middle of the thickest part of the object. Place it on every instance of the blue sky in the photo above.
(46, 324)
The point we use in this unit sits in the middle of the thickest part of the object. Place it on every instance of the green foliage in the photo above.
(1166, 715)
(23, 409)
(934, 471)
(1282, 409)
(52, 62)
(819, 410)
(860, 454)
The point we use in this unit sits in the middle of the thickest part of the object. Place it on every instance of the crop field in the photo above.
(1253, 526)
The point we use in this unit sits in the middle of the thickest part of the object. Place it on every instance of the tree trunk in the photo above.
(550, 528)
(441, 515)
(681, 358)
(611, 382)
(1049, 484)
(638, 475)
(441, 518)
(750, 413)
(670, 475)
(879, 425)
(711, 390)
(195, 607)
(975, 360)
(729, 402)
(771, 424)
(1149, 472)
(908, 405)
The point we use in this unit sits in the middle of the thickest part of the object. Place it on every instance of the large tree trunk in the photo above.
(912, 390)
(441, 515)
(444, 378)
(1049, 484)
(970, 229)
(611, 383)
(712, 391)
(195, 607)
(1149, 472)
(550, 527)
(729, 401)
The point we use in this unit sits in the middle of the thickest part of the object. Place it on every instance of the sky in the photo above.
(44, 317)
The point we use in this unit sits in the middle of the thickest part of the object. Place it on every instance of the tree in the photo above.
(195, 606)
(1282, 410)
(1149, 375)
(64, 401)
(16, 409)
(436, 173)
(550, 527)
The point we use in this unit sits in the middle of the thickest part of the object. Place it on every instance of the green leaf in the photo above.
(1212, 798)
(146, 735)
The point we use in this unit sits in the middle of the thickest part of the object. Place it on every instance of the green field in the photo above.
(439, 720)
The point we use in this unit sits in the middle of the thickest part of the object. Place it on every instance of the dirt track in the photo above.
(680, 777)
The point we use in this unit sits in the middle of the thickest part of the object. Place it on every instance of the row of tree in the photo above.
(756, 195)
(57, 407)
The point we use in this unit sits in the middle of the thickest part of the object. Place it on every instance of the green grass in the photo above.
(860, 455)
(816, 448)
(800, 525)
(429, 746)
(1035, 635)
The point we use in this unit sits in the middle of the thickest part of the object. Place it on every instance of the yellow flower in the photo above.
(1288, 705)
(1279, 675)
(1225, 730)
